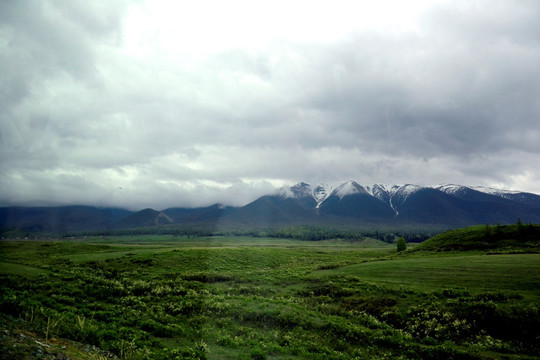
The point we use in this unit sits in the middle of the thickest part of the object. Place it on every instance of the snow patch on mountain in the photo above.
(321, 192)
(401, 195)
(389, 188)
(457, 190)
(496, 192)
(450, 189)
(386, 192)
(349, 188)
(408, 190)
(382, 192)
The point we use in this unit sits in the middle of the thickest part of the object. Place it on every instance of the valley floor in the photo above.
(167, 297)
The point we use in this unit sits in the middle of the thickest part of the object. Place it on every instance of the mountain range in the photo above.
(349, 203)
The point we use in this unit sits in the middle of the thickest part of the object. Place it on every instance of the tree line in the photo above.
(314, 233)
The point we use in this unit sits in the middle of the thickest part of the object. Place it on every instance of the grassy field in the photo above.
(167, 297)
(518, 275)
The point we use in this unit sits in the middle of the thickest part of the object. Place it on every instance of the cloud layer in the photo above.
(158, 104)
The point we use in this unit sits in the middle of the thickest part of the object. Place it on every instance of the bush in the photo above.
(258, 354)
(401, 244)
(10, 303)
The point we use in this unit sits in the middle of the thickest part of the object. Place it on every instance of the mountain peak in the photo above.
(349, 188)
(299, 190)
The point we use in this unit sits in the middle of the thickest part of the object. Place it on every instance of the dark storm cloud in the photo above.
(103, 105)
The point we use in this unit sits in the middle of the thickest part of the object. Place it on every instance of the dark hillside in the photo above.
(362, 206)
(146, 217)
(505, 238)
(470, 207)
(433, 207)
(271, 210)
(528, 199)
(203, 214)
(60, 219)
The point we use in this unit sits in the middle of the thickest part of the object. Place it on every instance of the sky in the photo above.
(163, 104)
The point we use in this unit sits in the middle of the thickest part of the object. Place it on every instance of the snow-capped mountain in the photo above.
(299, 190)
(348, 188)
(445, 203)
(393, 195)
(348, 203)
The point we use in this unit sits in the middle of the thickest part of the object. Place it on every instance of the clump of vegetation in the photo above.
(401, 244)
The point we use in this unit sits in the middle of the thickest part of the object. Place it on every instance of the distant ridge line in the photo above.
(348, 204)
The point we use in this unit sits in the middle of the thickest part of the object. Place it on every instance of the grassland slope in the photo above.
(181, 297)
(500, 238)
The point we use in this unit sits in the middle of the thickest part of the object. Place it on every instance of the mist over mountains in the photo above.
(349, 204)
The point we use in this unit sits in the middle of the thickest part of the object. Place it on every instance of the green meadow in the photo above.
(174, 297)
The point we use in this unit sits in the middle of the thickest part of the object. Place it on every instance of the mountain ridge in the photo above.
(348, 203)
(386, 192)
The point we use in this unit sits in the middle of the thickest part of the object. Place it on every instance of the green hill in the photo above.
(499, 238)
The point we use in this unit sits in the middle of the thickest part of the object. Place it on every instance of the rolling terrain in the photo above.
(179, 297)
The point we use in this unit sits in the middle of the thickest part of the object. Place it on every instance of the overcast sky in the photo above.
(188, 103)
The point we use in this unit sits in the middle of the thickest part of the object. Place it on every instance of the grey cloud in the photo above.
(429, 102)
(455, 100)
(40, 43)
